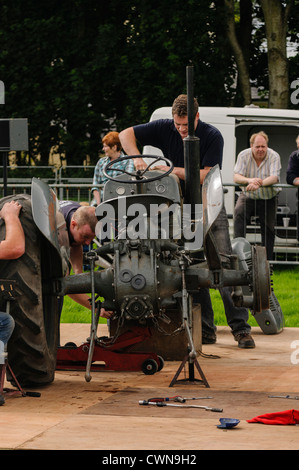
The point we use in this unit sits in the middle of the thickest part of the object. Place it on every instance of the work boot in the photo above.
(245, 340)
(209, 339)
(2, 401)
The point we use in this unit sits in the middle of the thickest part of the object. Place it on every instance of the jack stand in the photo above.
(191, 352)
(13, 391)
(191, 379)
(7, 294)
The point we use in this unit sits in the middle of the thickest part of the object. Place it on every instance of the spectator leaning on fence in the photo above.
(112, 149)
(257, 169)
(293, 166)
(293, 175)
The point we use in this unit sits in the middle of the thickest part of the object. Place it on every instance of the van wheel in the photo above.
(32, 348)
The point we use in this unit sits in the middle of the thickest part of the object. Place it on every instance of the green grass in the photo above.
(286, 289)
(75, 313)
(285, 285)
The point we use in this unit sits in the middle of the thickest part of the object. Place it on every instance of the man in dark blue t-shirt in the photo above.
(168, 136)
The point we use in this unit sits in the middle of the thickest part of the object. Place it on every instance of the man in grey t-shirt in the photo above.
(257, 169)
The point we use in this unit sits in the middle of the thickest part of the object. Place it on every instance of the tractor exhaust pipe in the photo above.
(191, 151)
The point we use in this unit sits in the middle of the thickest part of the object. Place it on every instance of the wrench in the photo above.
(176, 398)
(284, 396)
(159, 403)
(197, 398)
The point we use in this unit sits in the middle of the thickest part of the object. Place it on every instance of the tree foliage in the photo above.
(79, 68)
(258, 32)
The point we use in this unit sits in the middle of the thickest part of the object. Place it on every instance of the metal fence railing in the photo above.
(68, 185)
(62, 180)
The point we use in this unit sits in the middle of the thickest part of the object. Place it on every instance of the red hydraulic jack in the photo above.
(109, 355)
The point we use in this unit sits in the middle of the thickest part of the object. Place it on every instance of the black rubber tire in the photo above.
(32, 348)
(149, 367)
(161, 363)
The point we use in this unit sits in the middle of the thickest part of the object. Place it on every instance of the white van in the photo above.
(236, 126)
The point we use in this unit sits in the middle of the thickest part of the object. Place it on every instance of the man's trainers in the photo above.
(2, 401)
(245, 341)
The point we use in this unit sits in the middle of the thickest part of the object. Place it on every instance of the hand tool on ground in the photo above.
(159, 403)
(197, 398)
(176, 398)
(162, 399)
(284, 396)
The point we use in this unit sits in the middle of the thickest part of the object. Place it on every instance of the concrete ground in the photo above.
(104, 414)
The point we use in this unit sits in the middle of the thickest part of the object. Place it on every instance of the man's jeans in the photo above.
(237, 317)
(7, 325)
(265, 209)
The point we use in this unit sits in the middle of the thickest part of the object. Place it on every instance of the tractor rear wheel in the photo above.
(32, 348)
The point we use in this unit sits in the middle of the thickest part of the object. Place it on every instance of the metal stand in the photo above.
(191, 352)
(13, 391)
(9, 391)
(7, 290)
(191, 379)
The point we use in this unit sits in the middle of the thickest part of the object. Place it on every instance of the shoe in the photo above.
(208, 339)
(245, 341)
(2, 401)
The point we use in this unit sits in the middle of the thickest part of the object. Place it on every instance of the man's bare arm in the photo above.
(14, 244)
(128, 142)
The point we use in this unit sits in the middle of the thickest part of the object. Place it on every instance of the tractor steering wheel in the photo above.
(138, 174)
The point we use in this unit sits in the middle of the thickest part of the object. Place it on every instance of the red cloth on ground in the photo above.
(281, 417)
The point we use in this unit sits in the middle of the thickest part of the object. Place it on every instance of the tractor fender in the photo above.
(212, 198)
(50, 222)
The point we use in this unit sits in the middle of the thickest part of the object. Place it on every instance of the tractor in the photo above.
(153, 270)
(158, 259)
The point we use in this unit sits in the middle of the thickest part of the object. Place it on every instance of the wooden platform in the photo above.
(105, 414)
